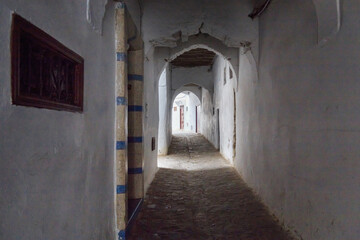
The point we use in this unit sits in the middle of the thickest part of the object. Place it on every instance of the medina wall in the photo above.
(217, 115)
(297, 140)
(56, 167)
(165, 133)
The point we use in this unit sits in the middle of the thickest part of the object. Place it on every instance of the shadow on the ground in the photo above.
(198, 195)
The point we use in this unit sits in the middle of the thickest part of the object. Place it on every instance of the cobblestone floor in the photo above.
(197, 195)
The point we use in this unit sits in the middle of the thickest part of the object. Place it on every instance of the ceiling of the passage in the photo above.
(194, 58)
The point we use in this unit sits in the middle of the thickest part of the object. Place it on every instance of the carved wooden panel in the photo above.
(45, 73)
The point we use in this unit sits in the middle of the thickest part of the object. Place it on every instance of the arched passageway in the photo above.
(209, 75)
(196, 190)
(279, 101)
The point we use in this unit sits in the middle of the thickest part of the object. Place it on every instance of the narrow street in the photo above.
(198, 195)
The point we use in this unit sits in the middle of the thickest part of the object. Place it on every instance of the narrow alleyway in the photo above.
(197, 195)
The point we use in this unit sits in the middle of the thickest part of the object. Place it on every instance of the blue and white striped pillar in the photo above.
(121, 120)
(135, 136)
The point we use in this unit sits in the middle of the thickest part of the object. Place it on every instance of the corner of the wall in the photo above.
(248, 53)
(328, 15)
(95, 12)
(149, 180)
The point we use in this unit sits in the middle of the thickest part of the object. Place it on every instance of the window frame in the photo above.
(21, 26)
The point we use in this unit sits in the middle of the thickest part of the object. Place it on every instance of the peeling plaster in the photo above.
(95, 11)
(245, 51)
(329, 19)
(167, 24)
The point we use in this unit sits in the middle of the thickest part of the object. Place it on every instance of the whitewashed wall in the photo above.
(191, 113)
(56, 167)
(179, 101)
(223, 99)
(164, 136)
(298, 125)
(297, 113)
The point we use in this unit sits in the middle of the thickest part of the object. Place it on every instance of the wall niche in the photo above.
(45, 73)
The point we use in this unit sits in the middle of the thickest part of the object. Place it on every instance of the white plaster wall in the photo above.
(188, 116)
(151, 119)
(199, 119)
(208, 122)
(164, 136)
(191, 113)
(201, 76)
(223, 99)
(247, 120)
(56, 167)
(154, 64)
(162, 145)
(298, 132)
(180, 100)
(175, 118)
(169, 104)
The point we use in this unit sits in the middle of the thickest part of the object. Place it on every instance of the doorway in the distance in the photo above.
(185, 112)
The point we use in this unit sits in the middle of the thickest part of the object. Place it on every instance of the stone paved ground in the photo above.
(197, 195)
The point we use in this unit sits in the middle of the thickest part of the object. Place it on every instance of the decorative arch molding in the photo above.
(244, 51)
(212, 44)
(329, 19)
(230, 54)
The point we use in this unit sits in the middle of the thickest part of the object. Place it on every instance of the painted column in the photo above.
(135, 136)
(121, 120)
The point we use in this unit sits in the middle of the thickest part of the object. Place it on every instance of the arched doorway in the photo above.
(186, 112)
(191, 69)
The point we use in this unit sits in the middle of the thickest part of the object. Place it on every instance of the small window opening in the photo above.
(153, 146)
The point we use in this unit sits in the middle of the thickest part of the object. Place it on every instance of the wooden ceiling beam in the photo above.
(195, 57)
